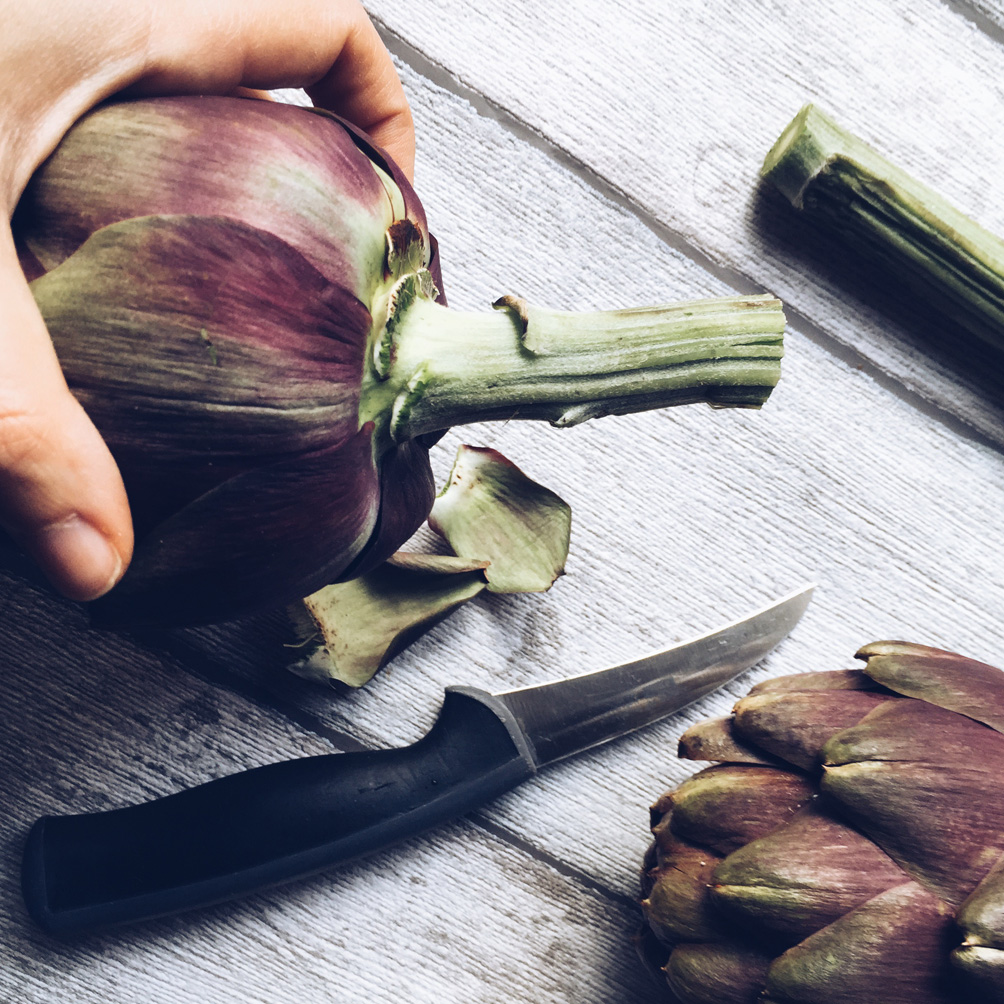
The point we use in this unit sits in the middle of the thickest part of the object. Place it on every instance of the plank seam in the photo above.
(737, 280)
(978, 18)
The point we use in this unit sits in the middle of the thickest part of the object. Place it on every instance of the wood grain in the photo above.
(673, 106)
(581, 155)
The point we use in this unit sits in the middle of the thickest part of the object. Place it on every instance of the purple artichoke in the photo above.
(849, 845)
(245, 297)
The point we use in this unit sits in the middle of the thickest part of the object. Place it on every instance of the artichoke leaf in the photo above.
(836, 679)
(946, 679)
(716, 973)
(796, 725)
(353, 629)
(726, 806)
(490, 509)
(980, 957)
(803, 875)
(219, 557)
(890, 949)
(915, 778)
(676, 905)
(716, 740)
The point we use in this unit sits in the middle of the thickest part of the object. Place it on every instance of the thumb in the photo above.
(61, 495)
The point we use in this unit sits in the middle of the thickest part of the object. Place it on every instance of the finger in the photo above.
(330, 47)
(363, 86)
(61, 495)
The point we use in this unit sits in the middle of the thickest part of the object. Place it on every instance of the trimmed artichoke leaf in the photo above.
(795, 725)
(890, 949)
(916, 779)
(715, 739)
(490, 509)
(716, 974)
(803, 875)
(943, 678)
(353, 629)
(725, 806)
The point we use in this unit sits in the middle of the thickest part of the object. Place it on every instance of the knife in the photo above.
(258, 828)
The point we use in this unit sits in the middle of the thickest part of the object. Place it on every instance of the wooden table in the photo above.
(582, 154)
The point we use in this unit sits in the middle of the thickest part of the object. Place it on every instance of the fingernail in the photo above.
(78, 559)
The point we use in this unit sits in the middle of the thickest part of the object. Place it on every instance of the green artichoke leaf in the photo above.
(491, 510)
(353, 629)
(944, 678)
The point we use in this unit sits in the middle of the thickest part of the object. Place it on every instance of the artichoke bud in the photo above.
(246, 299)
(886, 883)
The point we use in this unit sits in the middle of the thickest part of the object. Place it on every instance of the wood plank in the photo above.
(674, 106)
(681, 519)
(93, 721)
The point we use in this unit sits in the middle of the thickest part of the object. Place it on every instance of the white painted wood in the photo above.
(676, 104)
(682, 519)
(92, 721)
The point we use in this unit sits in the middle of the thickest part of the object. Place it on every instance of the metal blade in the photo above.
(571, 715)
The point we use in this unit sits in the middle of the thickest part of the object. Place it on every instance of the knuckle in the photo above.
(22, 439)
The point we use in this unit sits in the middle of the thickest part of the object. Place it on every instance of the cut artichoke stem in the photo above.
(446, 367)
(847, 187)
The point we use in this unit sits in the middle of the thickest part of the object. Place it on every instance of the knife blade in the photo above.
(261, 827)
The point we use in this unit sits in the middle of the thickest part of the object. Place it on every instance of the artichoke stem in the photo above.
(888, 217)
(450, 368)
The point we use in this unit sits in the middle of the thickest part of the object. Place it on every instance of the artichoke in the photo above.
(848, 845)
(246, 299)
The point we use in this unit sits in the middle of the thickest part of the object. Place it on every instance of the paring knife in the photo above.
(272, 824)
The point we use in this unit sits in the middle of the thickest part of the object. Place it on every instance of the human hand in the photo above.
(61, 496)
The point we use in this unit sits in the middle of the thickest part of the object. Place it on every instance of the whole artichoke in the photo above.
(848, 846)
(245, 298)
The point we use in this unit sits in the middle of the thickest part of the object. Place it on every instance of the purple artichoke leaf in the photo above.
(249, 355)
(677, 907)
(980, 957)
(943, 678)
(273, 166)
(351, 630)
(220, 557)
(803, 875)
(716, 740)
(915, 778)
(725, 806)
(837, 679)
(407, 491)
(795, 725)
(714, 973)
(893, 949)
(490, 509)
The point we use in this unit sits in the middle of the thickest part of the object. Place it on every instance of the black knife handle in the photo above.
(261, 827)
